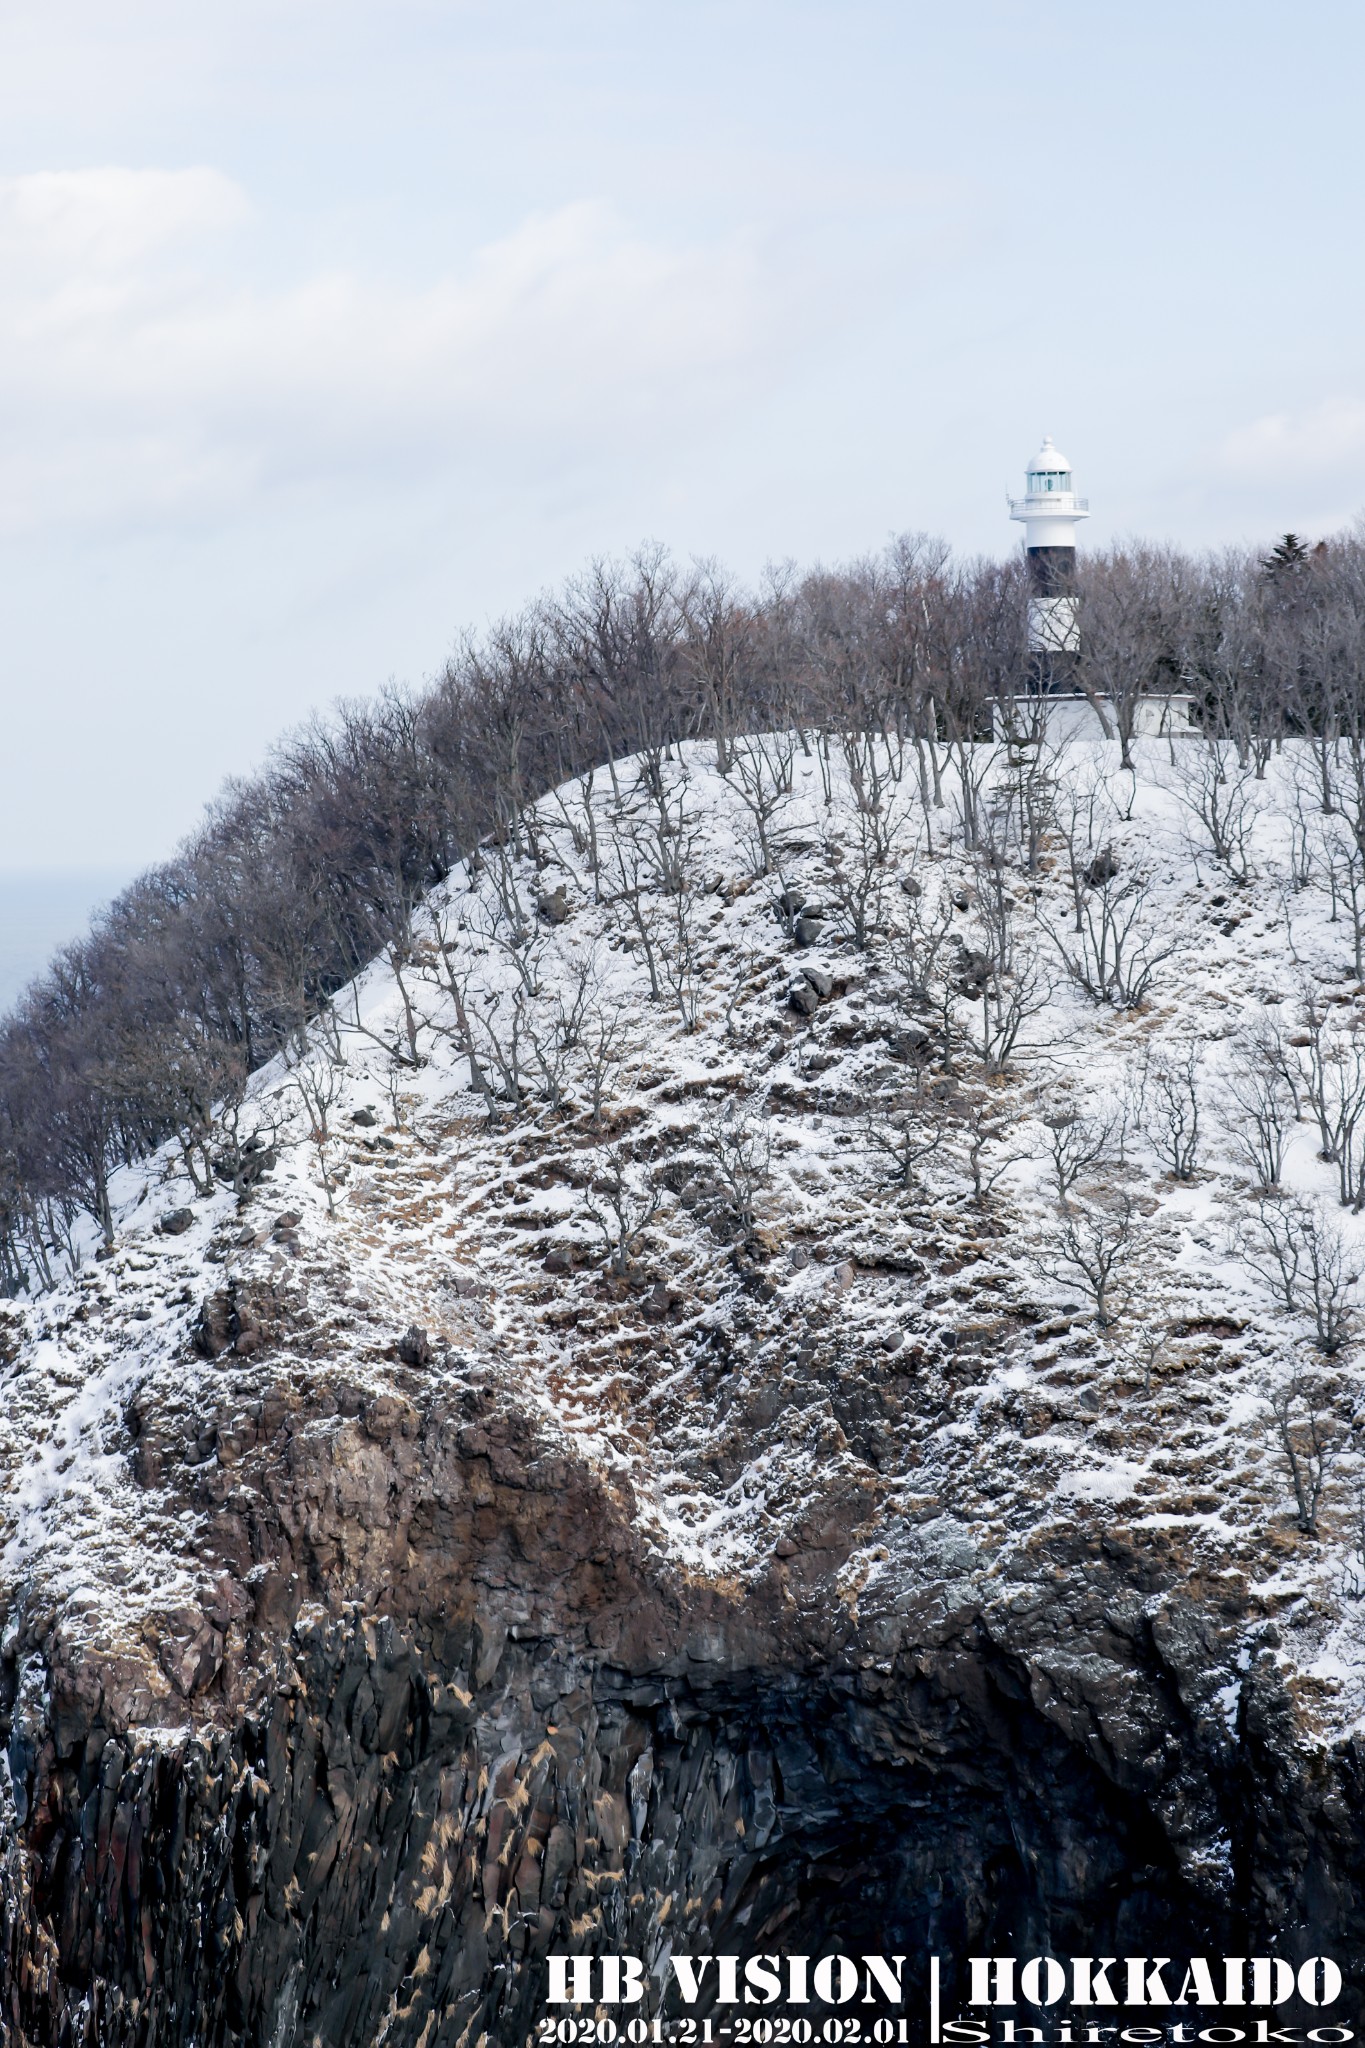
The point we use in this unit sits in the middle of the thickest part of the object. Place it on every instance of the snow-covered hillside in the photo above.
(850, 1126)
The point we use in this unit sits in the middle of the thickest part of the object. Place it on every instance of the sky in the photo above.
(328, 331)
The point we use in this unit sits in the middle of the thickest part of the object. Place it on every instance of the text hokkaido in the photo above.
(1146, 1981)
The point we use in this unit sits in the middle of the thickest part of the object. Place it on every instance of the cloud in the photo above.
(70, 225)
(147, 374)
(1324, 441)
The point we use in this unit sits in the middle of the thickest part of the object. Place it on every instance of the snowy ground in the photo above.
(660, 1203)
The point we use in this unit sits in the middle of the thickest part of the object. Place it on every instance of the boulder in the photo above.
(214, 1326)
(175, 1222)
(911, 1042)
(414, 1346)
(973, 966)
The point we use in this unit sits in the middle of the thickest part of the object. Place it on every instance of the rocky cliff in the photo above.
(638, 1463)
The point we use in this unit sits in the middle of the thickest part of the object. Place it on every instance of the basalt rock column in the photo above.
(1051, 512)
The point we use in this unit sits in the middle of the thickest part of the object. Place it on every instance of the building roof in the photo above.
(1048, 458)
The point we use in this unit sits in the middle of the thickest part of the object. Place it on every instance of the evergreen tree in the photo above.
(1291, 552)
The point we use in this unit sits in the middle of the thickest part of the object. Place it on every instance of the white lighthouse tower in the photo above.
(1051, 512)
(1058, 703)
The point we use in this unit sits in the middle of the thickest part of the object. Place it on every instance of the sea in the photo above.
(42, 909)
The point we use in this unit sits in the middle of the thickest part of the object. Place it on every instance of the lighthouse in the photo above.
(1058, 702)
(1051, 512)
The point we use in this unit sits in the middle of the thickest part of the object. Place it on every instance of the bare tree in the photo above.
(556, 1027)
(441, 964)
(501, 916)
(1309, 1437)
(1150, 1344)
(1353, 1576)
(1082, 813)
(1301, 1253)
(720, 652)
(622, 1202)
(1223, 796)
(738, 1143)
(1013, 986)
(980, 1128)
(860, 854)
(246, 1134)
(1076, 1144)
(874, 768)
(518, 1050)
(635, 909)
(857, 885)
(316, 1084)
(915, 943)
(761, 770)
(1173, 1100)
(577, 809)
(602, 1044)
(1259, 1105)
(1117, 945)
(189, 1079)
(681, 959)
(1340, 860)
(975, 764)
(1129, 606)
(1024, 801)
(1334, 1086)
(1092, 1245)
(897, 1136)
(659, 900)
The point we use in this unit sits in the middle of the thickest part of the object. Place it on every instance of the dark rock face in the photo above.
(414, 1346)
(449, 1715)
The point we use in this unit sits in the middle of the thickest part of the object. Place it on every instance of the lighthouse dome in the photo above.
(1049, 461)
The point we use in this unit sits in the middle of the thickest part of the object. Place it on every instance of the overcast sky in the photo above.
(330, 327)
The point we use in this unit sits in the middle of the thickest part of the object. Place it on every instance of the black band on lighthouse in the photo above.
(1052, 571)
